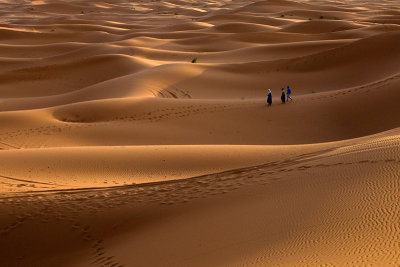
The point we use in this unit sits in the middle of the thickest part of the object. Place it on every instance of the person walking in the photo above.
(269, 98)
(283, 97)
(288, 92)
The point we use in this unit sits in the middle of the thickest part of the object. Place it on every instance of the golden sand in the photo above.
(116, 150)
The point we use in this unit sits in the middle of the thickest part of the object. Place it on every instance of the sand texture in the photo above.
(117, 150)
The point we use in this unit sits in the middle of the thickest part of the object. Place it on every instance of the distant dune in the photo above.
(117, 150)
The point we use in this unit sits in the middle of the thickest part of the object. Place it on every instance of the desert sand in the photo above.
(116, 150)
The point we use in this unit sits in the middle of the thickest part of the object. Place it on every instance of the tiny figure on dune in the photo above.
(283, 96)
(269, 99)
(288, 92)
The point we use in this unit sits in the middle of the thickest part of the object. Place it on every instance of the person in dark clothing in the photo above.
(283, 96)
(269, 99)
(288, 92)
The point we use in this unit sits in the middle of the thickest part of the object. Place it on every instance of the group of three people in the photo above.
(284, 97)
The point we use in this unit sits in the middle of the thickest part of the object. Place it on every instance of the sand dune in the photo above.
(117, 150)
(321, 26)
(116, 166)
(68, 76)
(251, 215)
(241, 27)
(249, 18)
(273, 6)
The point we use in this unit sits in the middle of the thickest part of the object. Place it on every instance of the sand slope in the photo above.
(336, 204)
(116, 150)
